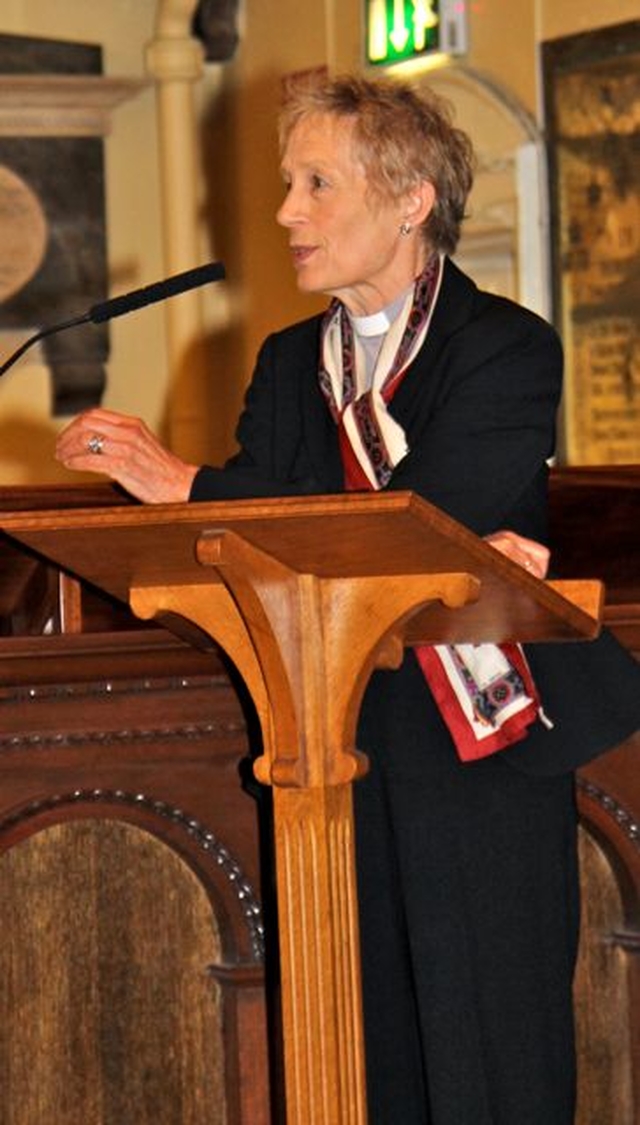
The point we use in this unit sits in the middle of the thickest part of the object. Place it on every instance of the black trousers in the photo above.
(468, 893)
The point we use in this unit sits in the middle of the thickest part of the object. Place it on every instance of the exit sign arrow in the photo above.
(399, 34)
(424, 19)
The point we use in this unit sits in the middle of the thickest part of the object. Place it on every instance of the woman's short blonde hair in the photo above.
(403, 136)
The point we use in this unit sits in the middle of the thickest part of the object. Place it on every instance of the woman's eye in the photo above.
(317, 182)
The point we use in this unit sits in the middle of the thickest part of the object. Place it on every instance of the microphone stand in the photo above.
(15, 356)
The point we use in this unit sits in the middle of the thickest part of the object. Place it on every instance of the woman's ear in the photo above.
(419, 203)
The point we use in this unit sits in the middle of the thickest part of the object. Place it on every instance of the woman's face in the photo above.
(344, 240)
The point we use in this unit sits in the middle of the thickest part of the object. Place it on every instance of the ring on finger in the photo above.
(96, 443)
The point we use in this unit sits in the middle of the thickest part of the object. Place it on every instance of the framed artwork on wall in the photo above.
(592, 110)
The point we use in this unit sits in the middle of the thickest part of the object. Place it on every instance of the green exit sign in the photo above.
(404, 29)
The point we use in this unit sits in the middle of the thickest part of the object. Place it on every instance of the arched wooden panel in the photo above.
(605, 1094)
(608, 982)
(133, 728)
(110, 1013)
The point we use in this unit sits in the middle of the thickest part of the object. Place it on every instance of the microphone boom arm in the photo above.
(128, 302)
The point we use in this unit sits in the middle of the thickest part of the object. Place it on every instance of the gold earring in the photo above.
(405, 229)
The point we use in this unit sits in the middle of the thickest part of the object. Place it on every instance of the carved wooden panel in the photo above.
(110, 1013)
(131, 959)
(602, 997)
(608, 979)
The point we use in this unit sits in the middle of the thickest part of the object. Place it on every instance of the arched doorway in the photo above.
(505, 240)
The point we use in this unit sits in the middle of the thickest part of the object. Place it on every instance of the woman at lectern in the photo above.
(466, 823)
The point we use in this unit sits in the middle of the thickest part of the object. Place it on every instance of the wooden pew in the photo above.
(595, 530)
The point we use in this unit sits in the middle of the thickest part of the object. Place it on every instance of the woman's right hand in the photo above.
(124, 448)
(528, 553)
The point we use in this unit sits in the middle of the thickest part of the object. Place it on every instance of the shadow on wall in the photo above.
(243, 192)
(27, 448)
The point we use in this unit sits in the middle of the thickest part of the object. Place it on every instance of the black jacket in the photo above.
(478, 406)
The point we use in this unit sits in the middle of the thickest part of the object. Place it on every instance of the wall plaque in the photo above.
(592, 99)
(54, 259)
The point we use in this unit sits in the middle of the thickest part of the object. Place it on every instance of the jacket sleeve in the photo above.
(271, 459)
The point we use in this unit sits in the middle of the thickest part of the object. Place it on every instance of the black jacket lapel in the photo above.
(454, 308)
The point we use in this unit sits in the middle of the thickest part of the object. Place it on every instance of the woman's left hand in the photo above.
(528, 553)
(103, 441)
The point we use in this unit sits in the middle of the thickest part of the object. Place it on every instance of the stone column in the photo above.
(175, 60)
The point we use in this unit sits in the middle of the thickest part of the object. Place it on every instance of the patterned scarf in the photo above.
(371, 442)
(485, 693)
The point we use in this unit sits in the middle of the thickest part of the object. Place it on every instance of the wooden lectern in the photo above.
(308, 596)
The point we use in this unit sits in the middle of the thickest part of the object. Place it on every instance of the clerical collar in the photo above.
(378, 323)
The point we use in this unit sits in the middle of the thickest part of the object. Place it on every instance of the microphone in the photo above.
(128, 302)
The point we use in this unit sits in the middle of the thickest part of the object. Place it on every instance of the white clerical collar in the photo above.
(378, 323)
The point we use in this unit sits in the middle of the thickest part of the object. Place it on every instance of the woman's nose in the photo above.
(289, 211)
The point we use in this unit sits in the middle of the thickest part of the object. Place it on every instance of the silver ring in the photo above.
(95, 444)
